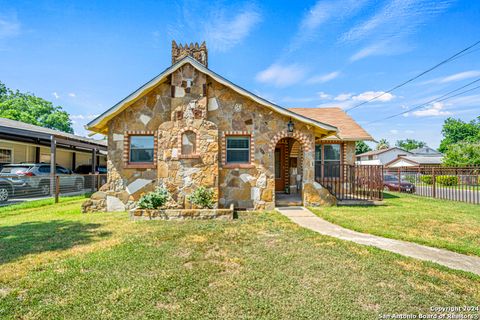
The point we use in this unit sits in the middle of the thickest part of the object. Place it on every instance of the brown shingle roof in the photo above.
(348, 129)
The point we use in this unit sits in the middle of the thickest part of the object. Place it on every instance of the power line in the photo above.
(444, 97)
(416, 77)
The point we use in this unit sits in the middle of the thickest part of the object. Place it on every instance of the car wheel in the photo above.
(45, 189)
(4, 194)
(78, 185)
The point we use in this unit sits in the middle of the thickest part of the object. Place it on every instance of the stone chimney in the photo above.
(196, 51)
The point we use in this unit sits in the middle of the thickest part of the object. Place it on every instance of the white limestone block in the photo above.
(212, 104)
(145, 119)
(114, 204)
(255, 194)
(262, 181)
(246, 177)
(179, 92)
(137, 185)
(117, 137)
(174, 153)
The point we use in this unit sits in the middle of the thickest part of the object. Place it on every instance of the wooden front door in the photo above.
(280, 167)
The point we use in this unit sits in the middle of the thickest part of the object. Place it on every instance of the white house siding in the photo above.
(401, 163)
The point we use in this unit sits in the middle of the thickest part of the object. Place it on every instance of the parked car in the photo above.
(391, 183)
(6, 189)
(87, 168)
(35, 177)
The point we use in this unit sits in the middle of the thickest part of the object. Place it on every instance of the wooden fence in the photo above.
(449, 183)
(351, 182)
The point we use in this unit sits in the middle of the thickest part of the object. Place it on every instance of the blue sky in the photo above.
(88, 55)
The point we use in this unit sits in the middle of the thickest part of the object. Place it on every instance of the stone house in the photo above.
(190, 127)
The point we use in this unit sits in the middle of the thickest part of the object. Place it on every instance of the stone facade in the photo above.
(191, 111)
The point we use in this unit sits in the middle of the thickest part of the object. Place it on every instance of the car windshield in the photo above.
(14, 170)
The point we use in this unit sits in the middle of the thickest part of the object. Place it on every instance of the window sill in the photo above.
(239, 166)
(140, 165)
(189, 156)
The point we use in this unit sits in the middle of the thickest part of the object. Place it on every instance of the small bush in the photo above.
(410, 178)
(447, 180)
(154, 199)
(427, 179)
(202, 198)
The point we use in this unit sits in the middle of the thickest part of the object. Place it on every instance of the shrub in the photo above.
(447, 180)
(154, 199)
(427, 179)
(202, 198)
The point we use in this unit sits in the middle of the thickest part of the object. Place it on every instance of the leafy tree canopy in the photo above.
(456, 130)
(361, 147)
(410, 144)
(383, 144)
(28, 108)
(462, 153)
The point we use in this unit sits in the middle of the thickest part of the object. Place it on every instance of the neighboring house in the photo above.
(190, 127)
(426, 152)
(414, 161)
(23, 142)
(381, 157)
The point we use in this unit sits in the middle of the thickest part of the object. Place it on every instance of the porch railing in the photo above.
(351, 182)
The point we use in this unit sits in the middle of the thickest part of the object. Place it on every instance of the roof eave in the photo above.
(99, 124)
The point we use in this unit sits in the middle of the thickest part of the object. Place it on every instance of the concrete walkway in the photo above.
(307, 219)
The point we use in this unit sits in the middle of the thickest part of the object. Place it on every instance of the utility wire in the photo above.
(444, 97)
(417, 76)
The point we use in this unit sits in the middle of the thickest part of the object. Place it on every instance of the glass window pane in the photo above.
(238, 149)
(318, 152)
(141, 148)
(331, 151)
(331, 169)
(238, 142)
(141, 142)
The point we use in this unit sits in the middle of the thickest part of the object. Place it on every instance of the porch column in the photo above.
(94, 160)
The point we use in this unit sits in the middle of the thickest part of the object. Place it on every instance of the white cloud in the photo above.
(224, 32)
(9, 26)
(394, 131)
(72, 94)
(324, 96)
(281, 76)
(387, 29)
(56, 95)
(455, 77)
(409, 131)
(368, 95)
(436, 109)
(324, 78)
(343, 97)
(396, 18)
(83, 116)
(323, 12)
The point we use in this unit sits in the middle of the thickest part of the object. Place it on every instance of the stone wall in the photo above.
(189, 101)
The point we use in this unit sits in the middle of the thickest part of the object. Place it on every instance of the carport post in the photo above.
(94, 166)
(53, 161)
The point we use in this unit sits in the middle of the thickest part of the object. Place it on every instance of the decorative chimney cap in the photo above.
(196, 51)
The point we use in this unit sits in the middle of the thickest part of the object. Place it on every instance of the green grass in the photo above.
(439, 223)
(57, 263)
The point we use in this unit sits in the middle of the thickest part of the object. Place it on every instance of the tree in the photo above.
(383, 144)
(361, 147)
(462, 153)
(410, 144)
(456, 130)
(29, 108)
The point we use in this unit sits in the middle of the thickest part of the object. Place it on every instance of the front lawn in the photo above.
(56, 263)
(439, 223)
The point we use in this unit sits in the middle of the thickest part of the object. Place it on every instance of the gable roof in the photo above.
(376, 152)
(99, 123)
(426, 151)
(418, 160)
(348, 129)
